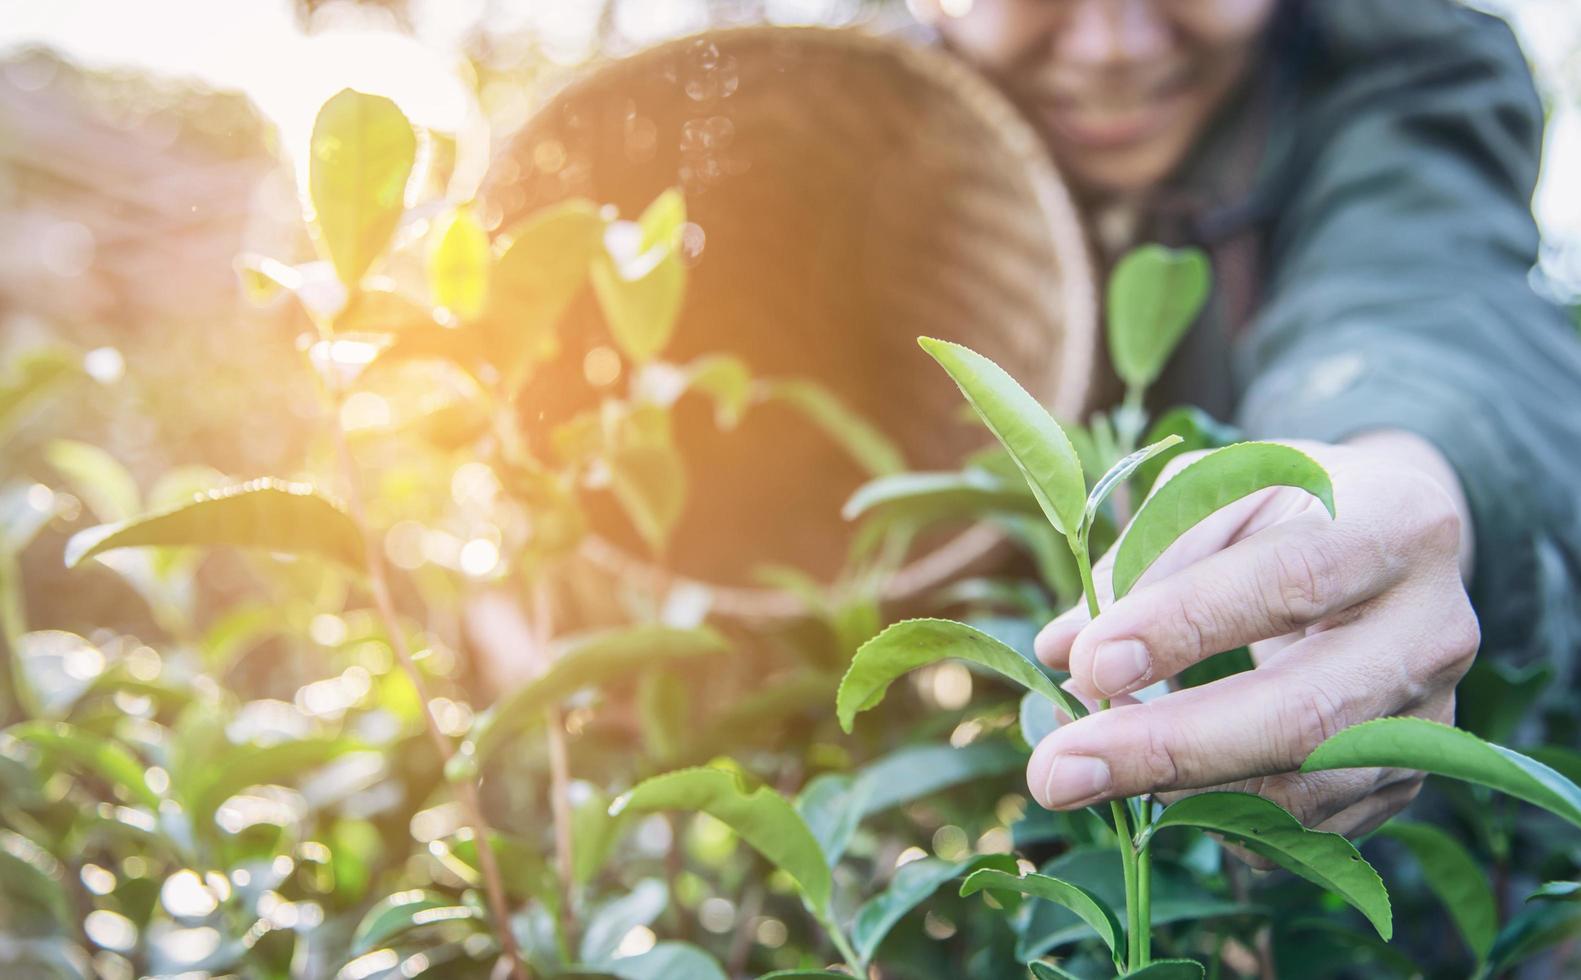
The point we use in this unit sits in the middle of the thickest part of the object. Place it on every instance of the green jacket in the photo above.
(1367, 203)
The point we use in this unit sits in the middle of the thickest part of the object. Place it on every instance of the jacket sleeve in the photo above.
(1400, 298)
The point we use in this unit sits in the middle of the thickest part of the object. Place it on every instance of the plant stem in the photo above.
(467, 788)
(559, 767)
(837, 936)
(1137, 923)
(1144, 912)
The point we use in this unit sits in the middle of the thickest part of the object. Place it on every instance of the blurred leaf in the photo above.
(1087, 906)
(458, 264)
(1217, 479)
(1154, 295)
(1037, 719)
(593, 835)
(1216, 668)
(264, 278)
(914, 883)
(920, 771)
(1037, 444)
(1336, 950)
(915, 500)
(725, 379)
(608, 924)
(1168, 970)
(29, 874)
(1455, 878)
(1530, 931)
(54, 669)
(522, 865)
(915, 643)
(762, 818)
(240, 766)
(650, 483)
(832, 812)
(641, 294)
(98, 478)
(91, 753)
(862, 441)
(1050, 971)
(30, 376)
(1416, 743)
(543, 268)
(236, 631)
(664, 708)
(362, 153)
(263, 514)
(586, 659)
(402, 912)
(667, 961)
(1557, 891)
(1265, 828)
(1495, 696)
(1197, 430)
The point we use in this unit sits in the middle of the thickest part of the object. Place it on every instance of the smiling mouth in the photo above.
(1104, 124)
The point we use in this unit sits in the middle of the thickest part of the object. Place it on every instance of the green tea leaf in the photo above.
(1049, 971)
(919, 771)
(1089, 907)
(667, 961)
(1037, 444)
(362, 153)
(1197, 430)
(609, 922)
(106, 486)
(403, 912)
(915, 643)
(544, 266)
(1118, 474)
(1557, 891)
(93, 754)
(1454, 876)
(912, 885)
(725, 379)
(1217, 479)
(762, 818)
(31, 375)
(1416, 743)
(869, 448)
(241, 766)
(262, 514)
(458, 264)
(586, 659)
(641, 295)
(649, 480)
(1155, 294)
(1168, 970)
(1266, 829)
(30, 874)
(832, 811)
(1532, 930)
(921, 498)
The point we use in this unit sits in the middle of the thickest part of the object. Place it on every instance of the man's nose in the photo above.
(1109, 33)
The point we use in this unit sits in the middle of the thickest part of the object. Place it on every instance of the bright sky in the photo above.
(255, 46)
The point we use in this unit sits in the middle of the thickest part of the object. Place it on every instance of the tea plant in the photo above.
(277, 770)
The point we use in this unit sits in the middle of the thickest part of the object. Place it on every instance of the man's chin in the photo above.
(1115, 173)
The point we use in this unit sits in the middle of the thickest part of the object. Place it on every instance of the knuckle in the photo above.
(1160, 759)
(1193, 625)
(1309, 715)
(1298, 585)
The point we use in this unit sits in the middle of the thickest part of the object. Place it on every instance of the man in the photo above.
(1361, 172)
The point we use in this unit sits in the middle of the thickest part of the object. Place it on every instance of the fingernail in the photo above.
(1118, 664)
(1075, 777)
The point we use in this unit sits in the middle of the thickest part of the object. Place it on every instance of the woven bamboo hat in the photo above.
(854, 192)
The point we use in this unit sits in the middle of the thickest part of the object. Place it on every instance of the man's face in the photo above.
(1119, 88)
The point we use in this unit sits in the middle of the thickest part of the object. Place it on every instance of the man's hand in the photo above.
(1350, 619)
